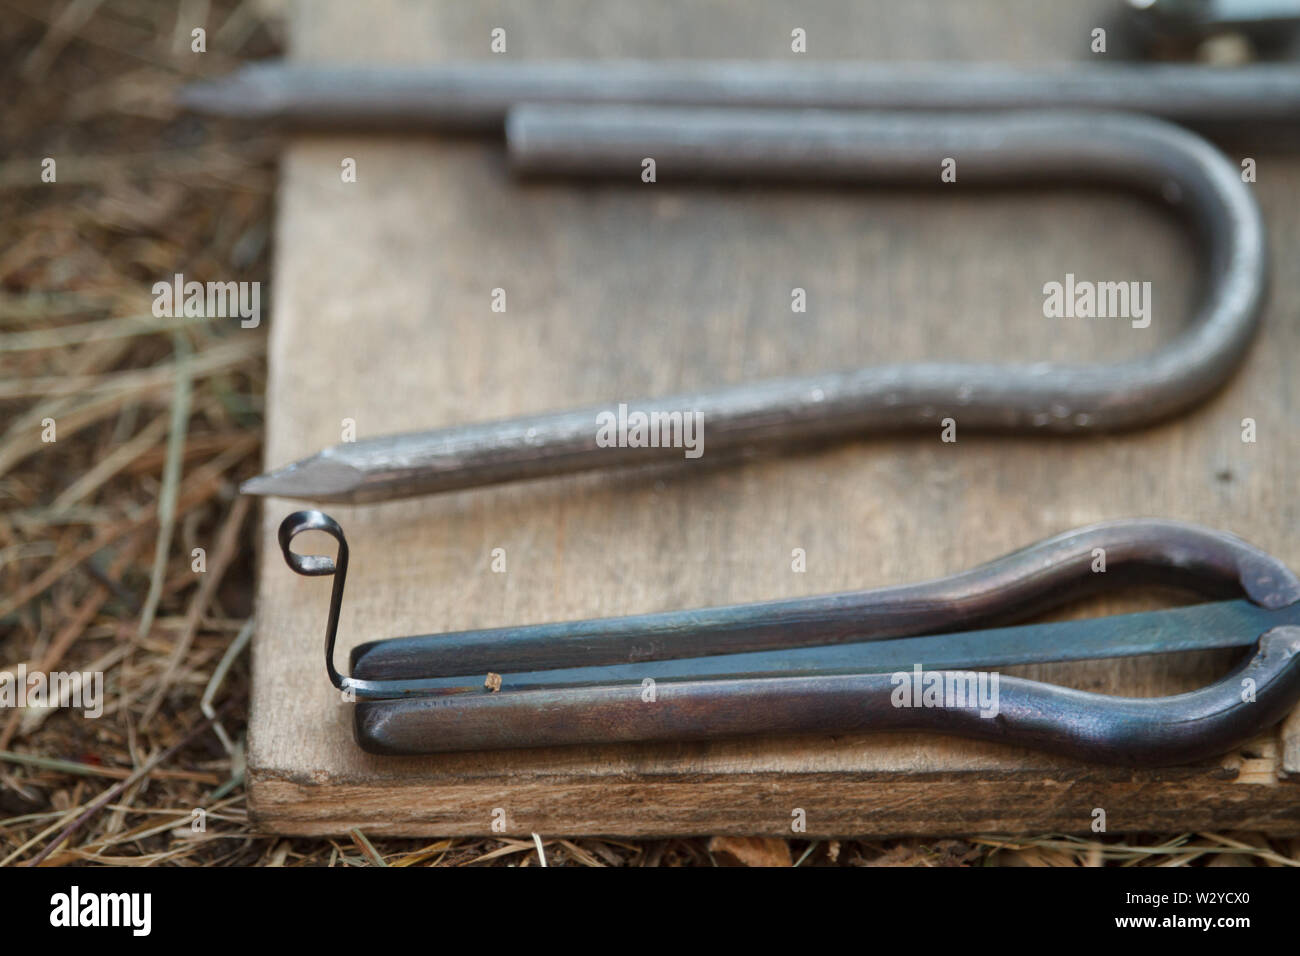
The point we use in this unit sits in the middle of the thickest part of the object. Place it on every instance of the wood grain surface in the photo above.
(382, 314)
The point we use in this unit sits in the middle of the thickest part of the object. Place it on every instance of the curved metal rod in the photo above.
(1015, 149)
(1119, 730)
(315, 565)
(992, 149)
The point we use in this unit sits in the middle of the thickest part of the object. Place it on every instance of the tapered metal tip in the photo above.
(317, 478)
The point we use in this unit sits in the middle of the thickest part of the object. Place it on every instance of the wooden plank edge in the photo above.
(833, 804)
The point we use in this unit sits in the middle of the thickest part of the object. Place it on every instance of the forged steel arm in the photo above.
(1148, 155)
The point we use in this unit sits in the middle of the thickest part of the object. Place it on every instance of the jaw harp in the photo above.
(848, 663)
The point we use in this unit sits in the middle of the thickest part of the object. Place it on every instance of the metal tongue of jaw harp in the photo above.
(1008, 148)
(854, 662)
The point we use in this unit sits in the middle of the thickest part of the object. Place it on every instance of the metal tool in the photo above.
(1012, 148)
(841, 663)
(478, 95)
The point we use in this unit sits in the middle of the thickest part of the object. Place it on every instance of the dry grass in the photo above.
(157, 422)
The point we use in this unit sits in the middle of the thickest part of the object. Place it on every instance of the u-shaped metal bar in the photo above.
(997, 149)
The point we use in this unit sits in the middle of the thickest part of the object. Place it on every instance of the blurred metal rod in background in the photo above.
(479, 94)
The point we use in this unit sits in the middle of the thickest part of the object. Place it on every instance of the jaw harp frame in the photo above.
(836, 663)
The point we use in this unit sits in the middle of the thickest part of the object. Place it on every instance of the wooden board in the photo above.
(382, 315)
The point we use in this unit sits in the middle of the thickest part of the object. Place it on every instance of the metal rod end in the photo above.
(318, 478)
